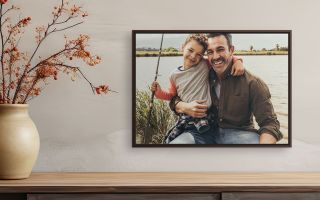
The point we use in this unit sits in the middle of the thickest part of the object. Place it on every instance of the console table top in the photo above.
(128, 182)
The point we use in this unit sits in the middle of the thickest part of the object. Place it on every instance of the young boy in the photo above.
(190, 82)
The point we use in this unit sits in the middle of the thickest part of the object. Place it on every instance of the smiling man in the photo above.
(235, 100)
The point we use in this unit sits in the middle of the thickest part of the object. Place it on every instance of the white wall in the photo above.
(82, 132)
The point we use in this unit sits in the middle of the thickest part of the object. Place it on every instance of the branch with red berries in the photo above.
(21, 80)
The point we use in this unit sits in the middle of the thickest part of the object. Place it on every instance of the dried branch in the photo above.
(46, 34)
(52, 56)
(35, 81)
(8, 10)
(2, 54)
(57, 30)
(19, 79)
(78, 69)
(65, 21)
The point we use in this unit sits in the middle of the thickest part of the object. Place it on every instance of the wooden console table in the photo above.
(161, 186)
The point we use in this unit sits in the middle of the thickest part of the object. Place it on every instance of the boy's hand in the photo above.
(155, 86)
(196, 109)
(237, 68)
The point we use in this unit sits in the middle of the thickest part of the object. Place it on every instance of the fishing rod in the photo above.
(147, 130)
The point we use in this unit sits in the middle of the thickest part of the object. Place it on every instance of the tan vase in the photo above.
(19, 142)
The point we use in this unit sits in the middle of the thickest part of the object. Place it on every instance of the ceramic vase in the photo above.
(19, 142)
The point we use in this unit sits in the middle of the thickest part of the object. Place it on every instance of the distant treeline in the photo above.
(241, 53)
(267, 52)
(156, 53)
(171, 51)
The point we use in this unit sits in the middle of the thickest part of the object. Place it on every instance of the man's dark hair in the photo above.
(228, 36)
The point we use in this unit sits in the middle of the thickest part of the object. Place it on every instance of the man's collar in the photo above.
(227, 72)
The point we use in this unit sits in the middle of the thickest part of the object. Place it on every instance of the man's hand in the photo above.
(196, 109)
(237, 68)
(266, 138)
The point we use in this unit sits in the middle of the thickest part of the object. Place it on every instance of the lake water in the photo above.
(272, 69)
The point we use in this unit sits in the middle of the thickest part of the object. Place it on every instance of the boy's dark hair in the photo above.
(228, 36)
(200, 38)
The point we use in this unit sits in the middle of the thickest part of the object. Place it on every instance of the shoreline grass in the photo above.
(162, 118)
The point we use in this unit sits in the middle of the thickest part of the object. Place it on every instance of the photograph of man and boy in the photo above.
(216, 88)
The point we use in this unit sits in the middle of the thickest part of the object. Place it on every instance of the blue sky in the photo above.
(240, 41)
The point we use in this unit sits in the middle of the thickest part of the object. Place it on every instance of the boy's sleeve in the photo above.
(167, 95)
(173, 103)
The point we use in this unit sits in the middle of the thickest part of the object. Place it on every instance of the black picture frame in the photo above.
(134, 85)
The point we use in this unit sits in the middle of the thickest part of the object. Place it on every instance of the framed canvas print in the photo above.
(211, 88)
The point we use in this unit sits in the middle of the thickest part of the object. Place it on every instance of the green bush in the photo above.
(161, 120)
